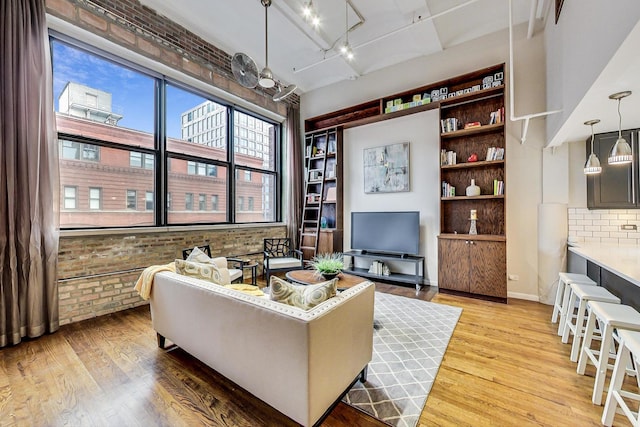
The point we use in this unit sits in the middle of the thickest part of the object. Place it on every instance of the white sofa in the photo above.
(300, 362)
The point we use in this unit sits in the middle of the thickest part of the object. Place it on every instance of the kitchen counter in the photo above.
(622, 260)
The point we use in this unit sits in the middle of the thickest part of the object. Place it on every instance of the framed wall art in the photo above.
(386, 168)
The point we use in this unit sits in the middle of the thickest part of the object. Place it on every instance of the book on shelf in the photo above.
(496, 116)
(448, 190)
(498, 187)
(331, 195)
(449, 125)
(472, 125)
(447, 158)
(495, 153)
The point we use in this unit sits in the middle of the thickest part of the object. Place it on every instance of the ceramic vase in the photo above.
(473, 189)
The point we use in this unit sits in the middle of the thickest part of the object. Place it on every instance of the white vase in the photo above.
(473, 189)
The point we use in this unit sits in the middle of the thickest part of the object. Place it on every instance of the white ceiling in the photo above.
(393, 31)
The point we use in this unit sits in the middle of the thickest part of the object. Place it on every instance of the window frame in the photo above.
(160, 156)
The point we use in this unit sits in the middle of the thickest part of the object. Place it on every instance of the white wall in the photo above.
(579, 47)
(421, 131)
(524, 162)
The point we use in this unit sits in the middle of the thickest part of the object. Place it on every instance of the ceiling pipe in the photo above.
(532, 18)
(527, 117)
(390, 33)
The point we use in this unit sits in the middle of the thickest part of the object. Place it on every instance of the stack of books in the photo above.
(495, 153)
(498, 187)
(449, 125)
(447, 158)
(496, 116)
(448, 190)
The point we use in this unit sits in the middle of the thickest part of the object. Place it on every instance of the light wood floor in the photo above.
(504, 367)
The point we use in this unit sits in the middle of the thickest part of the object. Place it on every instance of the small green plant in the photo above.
(327, 263)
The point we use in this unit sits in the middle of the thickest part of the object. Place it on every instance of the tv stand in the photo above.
(415, 279)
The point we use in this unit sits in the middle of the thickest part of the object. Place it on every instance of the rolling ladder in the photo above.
(316, 148)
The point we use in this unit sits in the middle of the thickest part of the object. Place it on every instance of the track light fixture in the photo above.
(345, 49)
(310, 14)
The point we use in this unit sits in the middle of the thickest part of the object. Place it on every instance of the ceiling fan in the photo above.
(245, 69)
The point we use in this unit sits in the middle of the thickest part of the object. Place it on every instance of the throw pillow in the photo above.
(204, 271)
(197, 255)
(301, 296)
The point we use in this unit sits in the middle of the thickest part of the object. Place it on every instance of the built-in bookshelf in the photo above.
(472, 240)
(321, 228)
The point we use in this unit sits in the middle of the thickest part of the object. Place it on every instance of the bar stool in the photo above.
(609, 317)
(629, 347)
(581, 294)
(564, 280)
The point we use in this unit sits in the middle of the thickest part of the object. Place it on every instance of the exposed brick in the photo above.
(92, 20)
(63, 8)
(148, 47)
(123, 34)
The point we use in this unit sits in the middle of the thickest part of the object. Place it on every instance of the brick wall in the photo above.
(603, 225)
(142, 30)
(97, 273)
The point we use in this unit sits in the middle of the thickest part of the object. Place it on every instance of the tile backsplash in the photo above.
(604, 225)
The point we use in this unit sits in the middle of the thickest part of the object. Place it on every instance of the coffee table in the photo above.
(309, 277)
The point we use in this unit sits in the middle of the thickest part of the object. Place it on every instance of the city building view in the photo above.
(107, 186)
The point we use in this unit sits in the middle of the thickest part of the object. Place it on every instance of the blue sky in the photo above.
(132, 93)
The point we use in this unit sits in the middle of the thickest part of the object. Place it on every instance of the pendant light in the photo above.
(310, 15)
(593, 163)
(621, 152)
(345, 50)
(266, 76)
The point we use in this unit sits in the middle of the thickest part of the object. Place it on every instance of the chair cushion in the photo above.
(205, 271)
(234, 274)
(304, 297)
(274, 263)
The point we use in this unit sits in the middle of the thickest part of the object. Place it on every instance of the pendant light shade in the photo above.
(593, 163)
(621, 152)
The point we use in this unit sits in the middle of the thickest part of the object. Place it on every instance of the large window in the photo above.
(107, 113)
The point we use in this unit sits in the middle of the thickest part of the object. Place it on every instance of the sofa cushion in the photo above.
(206, 271)
(197, 255)
(283, 262)
(301, 296)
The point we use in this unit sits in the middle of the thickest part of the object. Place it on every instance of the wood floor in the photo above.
(504, 367)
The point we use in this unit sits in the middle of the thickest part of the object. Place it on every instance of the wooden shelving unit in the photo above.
(474, 264)
(321, 230)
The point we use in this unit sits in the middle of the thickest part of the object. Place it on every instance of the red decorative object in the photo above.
(473, 158)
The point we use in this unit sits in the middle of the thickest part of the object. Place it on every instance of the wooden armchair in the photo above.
(234, 265)
(280, 256)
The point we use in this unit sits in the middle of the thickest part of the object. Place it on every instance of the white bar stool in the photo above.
(629, 347)
(564, 280)
(581, 294)
(609, 316)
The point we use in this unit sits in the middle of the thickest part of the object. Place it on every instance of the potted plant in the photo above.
(327, 265)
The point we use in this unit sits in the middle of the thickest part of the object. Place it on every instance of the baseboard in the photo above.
(528, 297)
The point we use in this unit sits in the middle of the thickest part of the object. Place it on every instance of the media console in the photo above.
(415, 279)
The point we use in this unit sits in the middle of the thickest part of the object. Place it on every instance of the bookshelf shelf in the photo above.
(472, 131)
(478, 164)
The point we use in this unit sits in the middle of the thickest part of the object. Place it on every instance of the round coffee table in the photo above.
(309, 277)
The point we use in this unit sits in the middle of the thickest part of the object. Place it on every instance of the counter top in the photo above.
(622, 260)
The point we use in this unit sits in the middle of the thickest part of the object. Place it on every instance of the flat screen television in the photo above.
(386, 232)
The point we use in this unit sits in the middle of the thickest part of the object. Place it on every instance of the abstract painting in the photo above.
(386, 168)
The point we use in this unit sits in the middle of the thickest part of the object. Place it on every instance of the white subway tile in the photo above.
(609, 228)
(628, 217)
(572, 222)
(585, 222)
(600, 234)
(617, 222)
(619, 235)
(585, 233)
(576, 228)
(601, 222)
(592, 239)
(591, 228)
(582, 211)
(609, 216)
(593, 217)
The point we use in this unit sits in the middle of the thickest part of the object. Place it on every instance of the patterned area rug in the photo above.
(409, 340)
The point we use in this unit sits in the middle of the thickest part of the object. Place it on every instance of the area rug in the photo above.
(409, 340)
